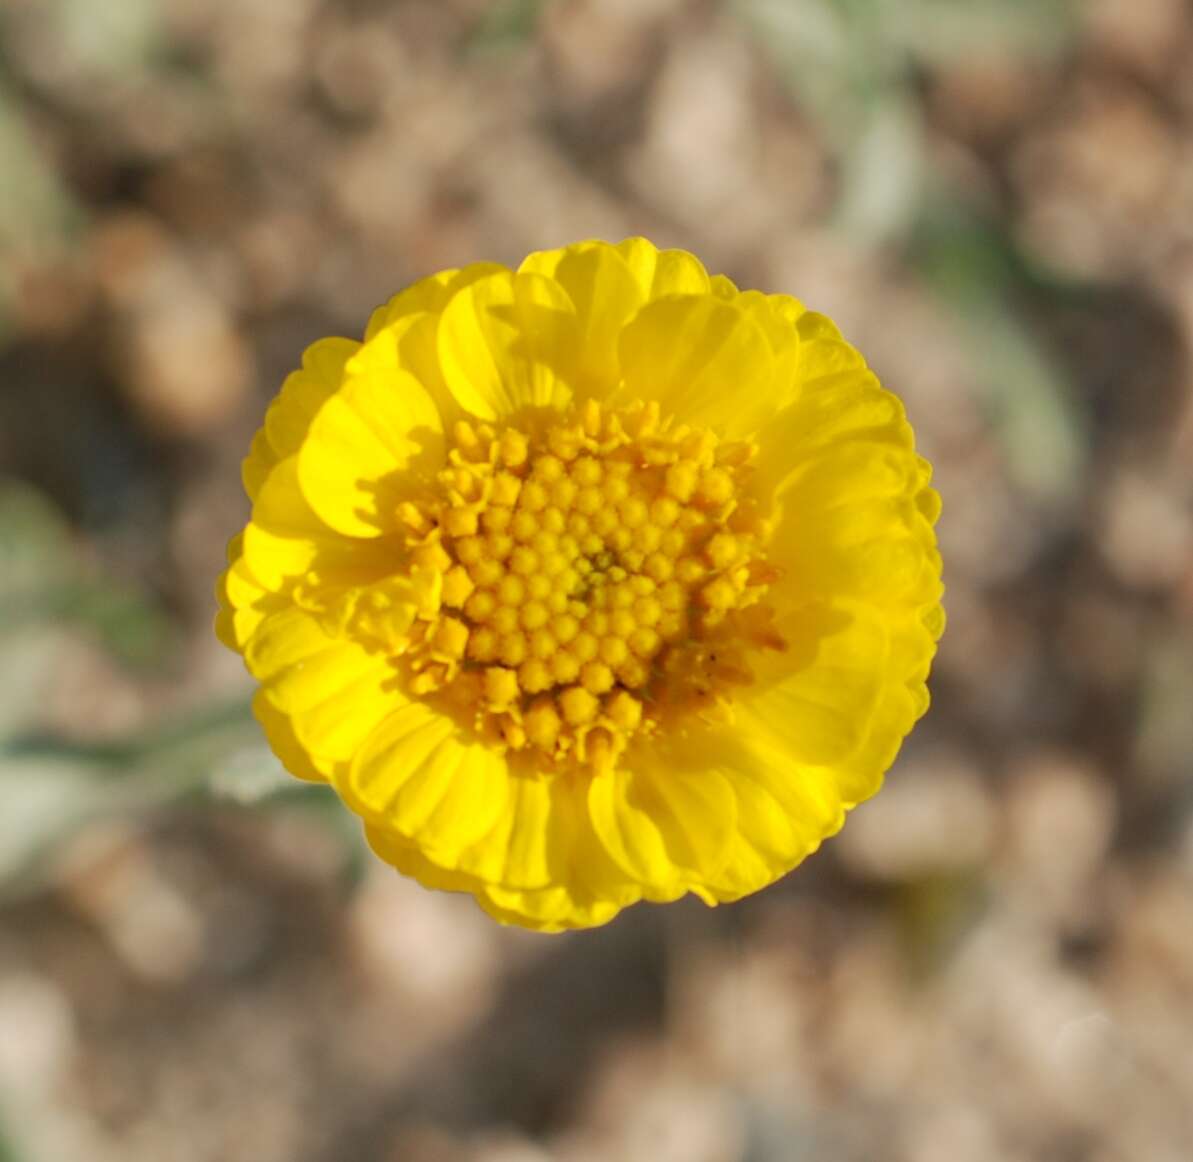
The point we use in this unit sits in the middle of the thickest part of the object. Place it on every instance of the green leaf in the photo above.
(42, 799)
(249, 775)
(978, 276)
(505, 26)
(8, 1148)
(43, 580)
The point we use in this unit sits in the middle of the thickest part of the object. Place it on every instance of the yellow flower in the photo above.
(588, 583)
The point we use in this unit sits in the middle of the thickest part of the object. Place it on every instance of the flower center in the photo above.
(596, 577)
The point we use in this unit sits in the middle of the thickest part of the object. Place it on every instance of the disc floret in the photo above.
(592, 573)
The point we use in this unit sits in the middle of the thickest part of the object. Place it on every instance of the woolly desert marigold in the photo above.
(592, 582)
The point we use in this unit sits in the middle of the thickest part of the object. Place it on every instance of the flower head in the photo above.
(592, 582)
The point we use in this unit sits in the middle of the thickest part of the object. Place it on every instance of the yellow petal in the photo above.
(817, 696)
(854, 509)
(850, 527)
(813, 325)
(535, 841)
(286, 542)
(605, 294)
(788, 307)
(304, 392)
(704, 360)
(904, 700)
(927, 500)
(552, 909)
(258, 464)
(775, 318)
(723, 287)
(783, 809)
(224, 626)
(399, 853)
(289, 415)
(557, 909)
(420, 777)
(428, 295)
(279, 733)
(664, 825)
(934, 620)
(243, 602)
(413, 319)
(285, 537)
(506, 342)
(333, 691)
(820, 358)
(847, 406)
(372, 444)
(663, 272)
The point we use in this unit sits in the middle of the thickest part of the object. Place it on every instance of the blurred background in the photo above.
(994, 199)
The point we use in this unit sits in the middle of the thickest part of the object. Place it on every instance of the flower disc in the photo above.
(592, 582)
